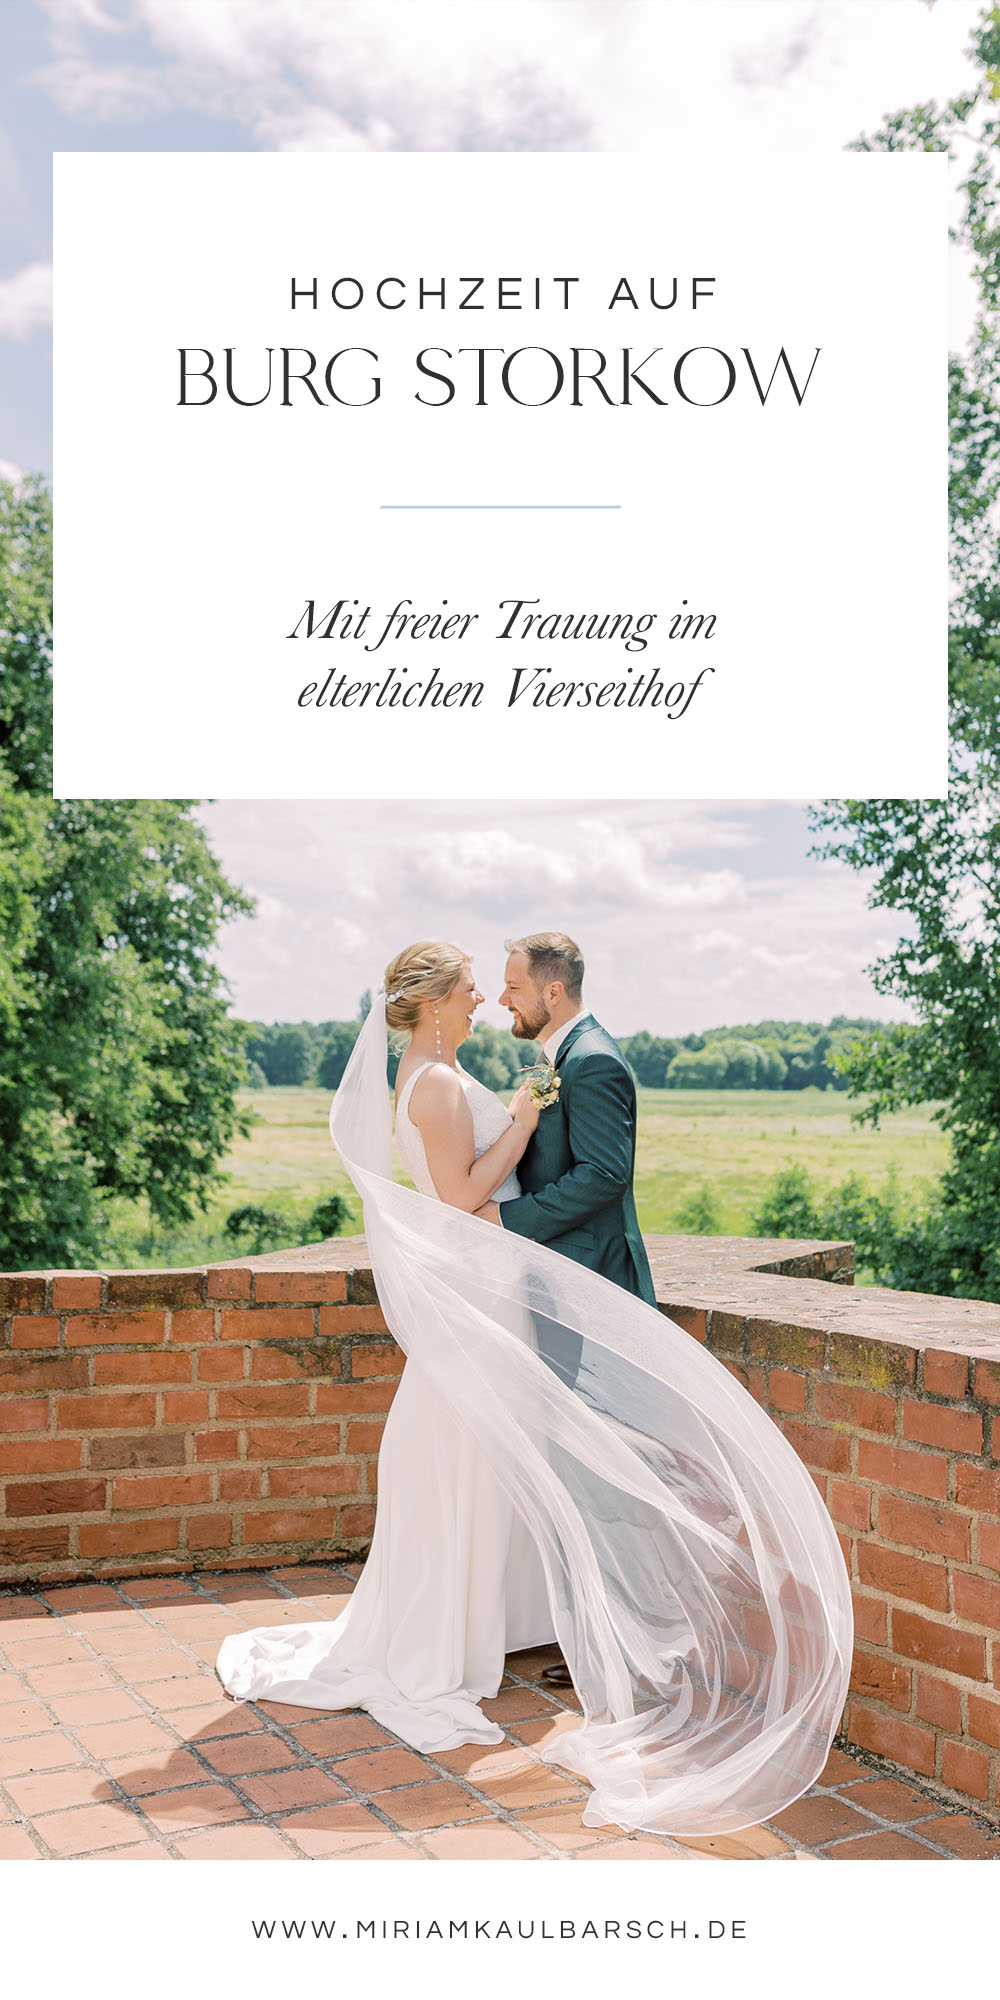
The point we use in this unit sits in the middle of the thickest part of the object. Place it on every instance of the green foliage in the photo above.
(335, 1053)
(119, 1066)
(698, 1069)
(255, 1078)
(253, 1229)
(650, 1057)
(700, 1214)
(936, 862)
(492, 1055)
(329, 1217)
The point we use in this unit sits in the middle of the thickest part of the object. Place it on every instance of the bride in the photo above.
(649, 1517)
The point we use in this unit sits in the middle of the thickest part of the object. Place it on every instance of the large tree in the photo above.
(119, 1065)
(936, 862)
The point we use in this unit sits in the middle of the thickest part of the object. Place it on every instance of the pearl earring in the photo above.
(437, 1029)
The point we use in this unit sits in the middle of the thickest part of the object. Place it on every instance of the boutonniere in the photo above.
(543, 1083)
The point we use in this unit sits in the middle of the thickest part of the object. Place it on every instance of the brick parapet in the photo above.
(230, 1417)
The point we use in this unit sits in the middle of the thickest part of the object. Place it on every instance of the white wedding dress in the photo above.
(638, 1505)
(453, 1581)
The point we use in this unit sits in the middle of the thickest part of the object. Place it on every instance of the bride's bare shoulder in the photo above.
(437, 1088)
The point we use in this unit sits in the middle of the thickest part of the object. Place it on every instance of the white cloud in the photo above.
(13, 474)
(26, 301)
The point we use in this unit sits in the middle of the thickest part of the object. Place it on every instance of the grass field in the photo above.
(728, 1141)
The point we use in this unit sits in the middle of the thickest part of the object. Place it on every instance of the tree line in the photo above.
(760, 1055)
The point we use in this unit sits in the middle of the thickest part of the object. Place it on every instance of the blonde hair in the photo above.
(429, 970)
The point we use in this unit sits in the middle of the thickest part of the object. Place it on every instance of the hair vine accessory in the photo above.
(437, 1028)
(391, 997)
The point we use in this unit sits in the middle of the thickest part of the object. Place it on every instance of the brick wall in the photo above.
(230, 1418)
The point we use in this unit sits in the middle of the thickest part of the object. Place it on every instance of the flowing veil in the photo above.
(696, 1584)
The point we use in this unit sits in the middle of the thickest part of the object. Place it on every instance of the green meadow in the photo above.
(727, 1142)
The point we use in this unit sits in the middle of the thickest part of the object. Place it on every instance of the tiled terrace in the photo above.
(116, 1740)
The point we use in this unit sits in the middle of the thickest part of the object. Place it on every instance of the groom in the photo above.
(576, 1173)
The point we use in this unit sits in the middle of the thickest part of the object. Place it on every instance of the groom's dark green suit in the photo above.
(576, 1172)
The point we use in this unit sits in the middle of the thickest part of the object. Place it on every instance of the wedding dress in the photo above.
(645, 1511)
(453, 1580)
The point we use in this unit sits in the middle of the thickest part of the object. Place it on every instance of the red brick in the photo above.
(946, 1374)
(988, 1544)
(56, 1496)
(881, 1679)
(37, 1372)
(984, 1720)
(932, 1423)
(209, 1531)
(279, 1364)
(264, 1399)
(34, 1330)
(34, 1544)
(77, 1292)
(21, 1293)
(186, 1406)
(356, 1521)
(939, 1702)
(192, 1329)
(787, 1391)
(903, 1577)
(829, 1451)
(986, 1381)
(851, 1505)
(268, 1323)
(227, 1281)
(365, 1437)
(383, 1360)
(336, 1321)
(127, 1538)
(871, 1620)
(889, 1736)
(862, 1409)
(220, 1364)
(179, 1489)
(691, 1318)
(148, 1289)
(288, 1482)
(966, 1770)
(239, 1483)
(24, 1416)
(880, 1364)
(43, 1455)
(354, 1398)
(294, 1441)
(307, 1525)
(127, 1329)
(273, 1287)
(937, 1529)
(938, 1645)
(767, 1340)
(137, 1368)
(212, 1446)
(979, 1488)
(113, 1454)
(977, 1599)
(107, 1413)
(916, 1471)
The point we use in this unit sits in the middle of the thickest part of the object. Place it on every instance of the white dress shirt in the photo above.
(550, 1048)
(554, 1042)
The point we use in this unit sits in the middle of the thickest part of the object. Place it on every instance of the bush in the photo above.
(255, 1078)
(700, 1214)
(254, 1229)
(328, 1218)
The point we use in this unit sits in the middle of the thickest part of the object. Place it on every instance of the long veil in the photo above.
(695, 1581)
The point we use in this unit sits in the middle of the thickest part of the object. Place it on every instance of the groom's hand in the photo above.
(489, 1212)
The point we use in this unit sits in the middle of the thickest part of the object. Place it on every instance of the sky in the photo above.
(689, 915)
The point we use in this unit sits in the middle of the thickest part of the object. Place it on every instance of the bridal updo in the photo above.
(425, 971)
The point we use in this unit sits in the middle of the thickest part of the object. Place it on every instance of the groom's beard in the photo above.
(528, 1027)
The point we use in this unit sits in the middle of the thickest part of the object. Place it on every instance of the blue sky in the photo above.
(689, 915)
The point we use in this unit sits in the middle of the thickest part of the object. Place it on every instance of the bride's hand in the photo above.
(523, 1109)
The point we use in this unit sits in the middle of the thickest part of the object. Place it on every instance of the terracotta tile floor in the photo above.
(116, 1740)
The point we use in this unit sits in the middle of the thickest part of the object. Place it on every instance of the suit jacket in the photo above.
(576, 1171)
